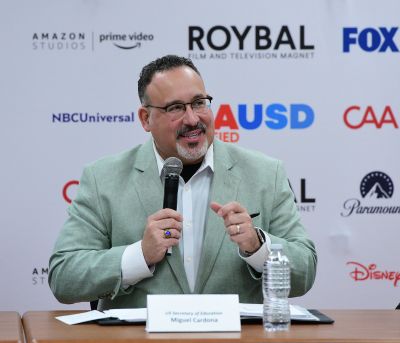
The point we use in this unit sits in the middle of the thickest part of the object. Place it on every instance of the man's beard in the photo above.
(193, 152)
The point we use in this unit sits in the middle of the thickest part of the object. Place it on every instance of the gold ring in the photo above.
(237, 229)
(167, 233)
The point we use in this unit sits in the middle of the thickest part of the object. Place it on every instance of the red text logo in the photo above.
(66, 188)
(370, 272)
(355, 117)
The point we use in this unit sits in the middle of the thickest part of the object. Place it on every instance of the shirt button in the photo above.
(187, 187)
(188, 259)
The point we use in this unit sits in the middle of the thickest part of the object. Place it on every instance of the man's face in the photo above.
(189, 137)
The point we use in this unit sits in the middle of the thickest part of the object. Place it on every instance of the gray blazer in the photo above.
(118, 193)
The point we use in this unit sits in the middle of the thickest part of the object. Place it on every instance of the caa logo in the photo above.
(356, 117)
(66, 190)
(274, 116)
(370, 39)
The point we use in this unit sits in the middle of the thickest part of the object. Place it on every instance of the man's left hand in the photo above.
(238, 225)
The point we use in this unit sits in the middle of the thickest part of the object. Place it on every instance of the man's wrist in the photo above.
(261, 241)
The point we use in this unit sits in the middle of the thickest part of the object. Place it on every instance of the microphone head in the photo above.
(172, 165)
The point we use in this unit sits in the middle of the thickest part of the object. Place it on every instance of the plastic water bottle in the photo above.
(276, 287)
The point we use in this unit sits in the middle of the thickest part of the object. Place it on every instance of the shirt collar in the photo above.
(208, 160)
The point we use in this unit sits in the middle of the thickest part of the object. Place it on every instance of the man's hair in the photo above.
(159, 65)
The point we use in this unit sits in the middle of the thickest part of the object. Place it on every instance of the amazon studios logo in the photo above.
(375, 187)
(78, 41)
(39, 275)
(249, 42)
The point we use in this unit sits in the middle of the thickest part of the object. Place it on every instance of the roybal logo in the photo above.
(376, 189)
(304, 201)
(249, 42)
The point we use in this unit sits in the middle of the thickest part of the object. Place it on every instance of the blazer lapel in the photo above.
(150, 192)
(224, 189)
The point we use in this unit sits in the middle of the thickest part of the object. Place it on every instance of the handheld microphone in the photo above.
(171, 170)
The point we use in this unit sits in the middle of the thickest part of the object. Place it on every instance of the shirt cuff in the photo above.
(133, 265)
(257, 259)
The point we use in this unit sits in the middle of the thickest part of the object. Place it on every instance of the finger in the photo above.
(171, 233)
(168, 224)
(232, 206)
(166, 213)
(215, 206)
(170, 243)
(236, 218)
(233, 230)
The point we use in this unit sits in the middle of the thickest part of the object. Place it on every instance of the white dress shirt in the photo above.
(193, 202)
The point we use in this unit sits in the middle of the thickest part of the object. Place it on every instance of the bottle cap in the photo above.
(276, 246)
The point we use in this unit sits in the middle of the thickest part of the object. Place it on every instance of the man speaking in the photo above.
(231, 205)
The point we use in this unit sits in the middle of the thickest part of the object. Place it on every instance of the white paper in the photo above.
(193, 313)
(82, 317)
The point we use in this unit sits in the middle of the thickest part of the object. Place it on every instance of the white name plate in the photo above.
(193, 313)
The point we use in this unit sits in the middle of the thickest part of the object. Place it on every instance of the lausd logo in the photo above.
(249, 42)
(370, 39)
(375, 186)
(304, 203)
(274, 116)
(361, 272)
(356, 117)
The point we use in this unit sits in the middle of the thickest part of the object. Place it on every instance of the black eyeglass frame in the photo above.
(208, 97)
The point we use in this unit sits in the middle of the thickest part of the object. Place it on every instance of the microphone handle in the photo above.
(171, 184)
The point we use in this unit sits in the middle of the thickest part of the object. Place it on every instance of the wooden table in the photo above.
(355, 326)
(11, 327)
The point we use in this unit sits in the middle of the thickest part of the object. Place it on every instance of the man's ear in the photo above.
(144, 118)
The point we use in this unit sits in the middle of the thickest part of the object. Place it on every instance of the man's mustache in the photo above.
(184, 129)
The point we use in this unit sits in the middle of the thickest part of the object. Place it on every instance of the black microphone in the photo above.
(170, 172)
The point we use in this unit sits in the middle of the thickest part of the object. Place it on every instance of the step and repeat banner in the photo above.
(313, 83)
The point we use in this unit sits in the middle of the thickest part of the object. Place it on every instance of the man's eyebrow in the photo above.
(173, 102)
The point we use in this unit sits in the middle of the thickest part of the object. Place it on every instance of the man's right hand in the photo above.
(154, 243)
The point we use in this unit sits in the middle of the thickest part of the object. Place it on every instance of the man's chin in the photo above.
(193, 151)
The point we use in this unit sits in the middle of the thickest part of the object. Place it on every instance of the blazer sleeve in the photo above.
(285, 228)
(84, 266)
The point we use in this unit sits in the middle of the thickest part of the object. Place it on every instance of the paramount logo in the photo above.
(375, 186)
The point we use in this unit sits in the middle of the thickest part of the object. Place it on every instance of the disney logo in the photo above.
(370, 272)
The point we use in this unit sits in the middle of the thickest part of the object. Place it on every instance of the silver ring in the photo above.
(237, 229)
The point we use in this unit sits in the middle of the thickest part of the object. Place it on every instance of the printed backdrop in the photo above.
(314, 83)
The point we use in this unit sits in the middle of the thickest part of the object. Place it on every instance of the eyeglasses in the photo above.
(177, 110)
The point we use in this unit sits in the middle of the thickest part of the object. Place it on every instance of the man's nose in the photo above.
(190, 118)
